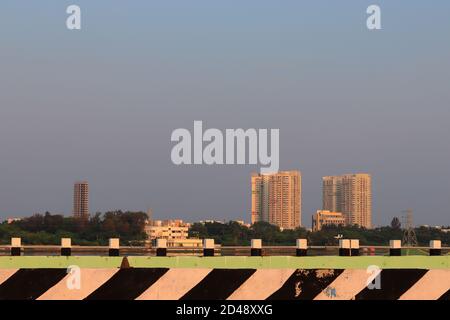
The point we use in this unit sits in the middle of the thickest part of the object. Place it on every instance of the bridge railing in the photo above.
(346, 247)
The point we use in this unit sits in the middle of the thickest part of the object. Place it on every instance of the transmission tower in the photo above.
(409, 235)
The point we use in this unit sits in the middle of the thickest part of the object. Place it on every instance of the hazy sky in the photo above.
(100, 103)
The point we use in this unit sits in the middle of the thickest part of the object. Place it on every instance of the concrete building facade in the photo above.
(326, 218)
(350, 194)
(276, 198)
(81, 200)
(167, 229)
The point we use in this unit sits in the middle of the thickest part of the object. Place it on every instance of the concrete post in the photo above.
(395, 248)
(16, 246)
(435, 247)
(256, 250)
(354, 247)
(161, 247)
(344, 247)
(66, 247)
(301, 247)
(208, 247)
(114, 247)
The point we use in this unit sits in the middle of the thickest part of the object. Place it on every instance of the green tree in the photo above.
(396, 224)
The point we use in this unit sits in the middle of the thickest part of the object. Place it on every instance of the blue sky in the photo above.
(100, 103)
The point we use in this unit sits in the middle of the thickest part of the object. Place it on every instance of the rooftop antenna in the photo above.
(409, 235)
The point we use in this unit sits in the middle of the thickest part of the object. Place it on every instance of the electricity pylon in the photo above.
(409, 235)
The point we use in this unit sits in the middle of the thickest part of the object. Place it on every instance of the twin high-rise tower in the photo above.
(276, 198)
(350, 194)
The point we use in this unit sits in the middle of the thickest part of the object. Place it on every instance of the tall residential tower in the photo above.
(276, 198)
(81, 200)
(350, 194)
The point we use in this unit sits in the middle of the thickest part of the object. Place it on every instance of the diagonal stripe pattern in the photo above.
(306, 284)
(433, 285)
(29, 284)
(127, 284)
(221, 284)
(394, 282)
(90, 280)
(262, 284)
(346, 286)
(6, 273)
(174, 284)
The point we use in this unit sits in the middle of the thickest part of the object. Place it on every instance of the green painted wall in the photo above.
(276, 262)
(33, 262)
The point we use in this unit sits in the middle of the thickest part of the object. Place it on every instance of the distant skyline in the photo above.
(99, 104)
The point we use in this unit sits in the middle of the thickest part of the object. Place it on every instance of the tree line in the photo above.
(48, 229)
(235, 234)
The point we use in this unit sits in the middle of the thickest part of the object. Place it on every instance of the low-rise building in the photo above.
(325, 218)
(167, 229)
(176, 232)
(185, 243)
